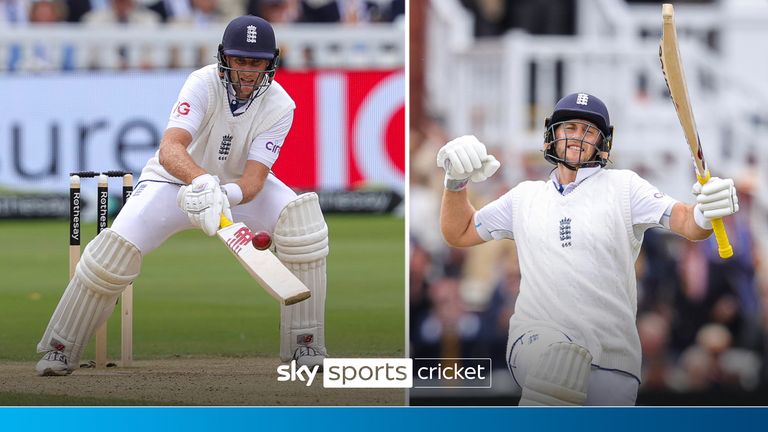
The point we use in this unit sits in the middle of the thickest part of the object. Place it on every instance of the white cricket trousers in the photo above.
(151, 215)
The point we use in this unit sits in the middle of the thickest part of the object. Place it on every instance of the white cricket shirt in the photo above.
(221, 141)
(577, 256)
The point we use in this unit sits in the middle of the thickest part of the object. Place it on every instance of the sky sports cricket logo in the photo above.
(393, 373)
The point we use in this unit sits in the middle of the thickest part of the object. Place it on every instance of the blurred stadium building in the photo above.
(89, 84)
(495, 69)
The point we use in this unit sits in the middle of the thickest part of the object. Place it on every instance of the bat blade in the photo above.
(264, 266)
(672, 67)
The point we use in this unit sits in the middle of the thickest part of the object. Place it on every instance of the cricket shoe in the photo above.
(310, 356)
(53, 363)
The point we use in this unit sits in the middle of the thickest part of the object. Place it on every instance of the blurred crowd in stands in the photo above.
(180, 14)
(198, 13)
(702, 320)
(536, 17)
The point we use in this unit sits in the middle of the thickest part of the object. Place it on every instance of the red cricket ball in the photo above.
(262, 240)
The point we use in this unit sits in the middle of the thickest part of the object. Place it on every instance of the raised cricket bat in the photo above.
(671, 65)
(264, 266)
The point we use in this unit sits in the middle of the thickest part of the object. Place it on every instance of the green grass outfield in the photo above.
(193, 298)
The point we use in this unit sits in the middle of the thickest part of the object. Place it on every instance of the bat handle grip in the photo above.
(723, 244)
(225, 222)
(724, 247)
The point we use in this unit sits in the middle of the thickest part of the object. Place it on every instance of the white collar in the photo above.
(241, 106)
(581, 175)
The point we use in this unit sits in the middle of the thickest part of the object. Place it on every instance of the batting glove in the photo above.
(463, 159)
(715, 199)
(204, 202)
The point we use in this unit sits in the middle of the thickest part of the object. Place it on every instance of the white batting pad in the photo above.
(301, 243)
(109, 263)
(560, 377)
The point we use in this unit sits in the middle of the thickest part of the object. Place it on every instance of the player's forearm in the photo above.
(683, 223)
(175, 159)
(456, 214)
(250, 189)
(253, 179)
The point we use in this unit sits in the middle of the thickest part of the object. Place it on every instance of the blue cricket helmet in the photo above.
(252, 37)
(580, 106)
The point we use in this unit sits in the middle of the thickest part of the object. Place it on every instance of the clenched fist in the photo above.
(463, 159)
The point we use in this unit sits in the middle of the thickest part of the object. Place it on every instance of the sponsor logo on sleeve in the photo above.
(273, 147)
(183, 108)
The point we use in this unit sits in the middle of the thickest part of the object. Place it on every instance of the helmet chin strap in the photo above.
(232, 92)
(599, 158)
(575, 166)
(258, 87)
(571, 166)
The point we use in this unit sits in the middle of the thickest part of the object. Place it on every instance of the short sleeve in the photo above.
(494, 221)
(265, 148)
(647, 203)
(191, 105)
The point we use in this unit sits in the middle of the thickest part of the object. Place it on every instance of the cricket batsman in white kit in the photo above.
(572, 338)
(224, 133)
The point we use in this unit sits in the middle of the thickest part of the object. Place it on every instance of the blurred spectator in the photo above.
(733, 281)
(40, 55)
(714, 364)
(540, 17)
(492, 17)
(123, 12)
(395, 9)
(14, 12)
(232, 9)
(420, 276)
(128, 13)
(203, 13)
(340, 11)
(690, 302)
(658, 279)
(78, 8)
(47, 11)
(653, 329)
(499, 308)
(45, 55)
(425, 188)
(448, 330)
(172, 9)
(275, 11)
(694, 373)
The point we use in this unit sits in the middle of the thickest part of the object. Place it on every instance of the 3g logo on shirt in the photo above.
(183, 108)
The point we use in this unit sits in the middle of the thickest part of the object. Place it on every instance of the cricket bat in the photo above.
(264, 266)
(672, 67)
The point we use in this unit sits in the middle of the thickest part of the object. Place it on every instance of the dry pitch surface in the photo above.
(191, 381)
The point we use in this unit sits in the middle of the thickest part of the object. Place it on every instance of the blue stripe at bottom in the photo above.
(142, 419)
